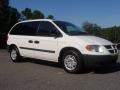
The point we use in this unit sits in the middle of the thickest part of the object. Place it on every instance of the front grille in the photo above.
(111, 51)
(111, 48)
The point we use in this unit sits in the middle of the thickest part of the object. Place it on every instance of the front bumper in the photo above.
(99, 60)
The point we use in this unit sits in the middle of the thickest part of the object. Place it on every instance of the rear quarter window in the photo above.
(26, 28)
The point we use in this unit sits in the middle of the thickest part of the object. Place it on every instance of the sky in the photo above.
(105, 13)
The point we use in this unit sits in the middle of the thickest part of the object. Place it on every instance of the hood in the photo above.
(93, 40)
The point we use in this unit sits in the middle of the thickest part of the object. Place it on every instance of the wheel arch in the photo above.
(65, 49)
(11, 46)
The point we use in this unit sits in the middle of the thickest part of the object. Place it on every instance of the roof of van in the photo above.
(37, 20)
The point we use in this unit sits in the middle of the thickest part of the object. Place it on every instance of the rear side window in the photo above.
(47, 29)
(26, 28)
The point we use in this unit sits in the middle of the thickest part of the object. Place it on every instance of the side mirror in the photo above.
(53, 35)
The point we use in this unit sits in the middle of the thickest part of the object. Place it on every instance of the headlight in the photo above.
(95, 48)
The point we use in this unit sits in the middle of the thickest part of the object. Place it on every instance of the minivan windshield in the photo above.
(69, 28)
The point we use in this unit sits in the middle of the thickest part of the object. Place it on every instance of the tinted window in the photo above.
(15, 30)
(47, 29)
(27, 28)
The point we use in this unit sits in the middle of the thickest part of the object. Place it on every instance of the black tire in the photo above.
(16, 58)
(78, 66)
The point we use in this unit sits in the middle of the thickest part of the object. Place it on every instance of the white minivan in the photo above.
(59, 41)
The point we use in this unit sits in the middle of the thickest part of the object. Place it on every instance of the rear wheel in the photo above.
(15, 55)
(72, 61)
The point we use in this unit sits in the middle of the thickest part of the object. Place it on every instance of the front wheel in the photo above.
(14, 54)
(72, 62)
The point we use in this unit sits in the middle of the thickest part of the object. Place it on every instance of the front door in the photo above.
(45, 42)
(45, 48)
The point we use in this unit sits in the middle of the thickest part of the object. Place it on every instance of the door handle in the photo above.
(36, 42)
(30, 41)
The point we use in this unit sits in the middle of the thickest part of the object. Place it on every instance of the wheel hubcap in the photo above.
(13, 54)
(70, 62)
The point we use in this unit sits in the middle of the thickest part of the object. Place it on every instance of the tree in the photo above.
(4, 3)
(14, 16)
(0, 4)
(4, 14)
(27, 13)
(37, 15)
(50, 17)
(91, 28)
(111, 33)
(88, 27)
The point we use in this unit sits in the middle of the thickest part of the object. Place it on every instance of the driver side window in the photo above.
(47, 29)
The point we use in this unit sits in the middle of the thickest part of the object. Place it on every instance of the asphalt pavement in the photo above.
(40, 75)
